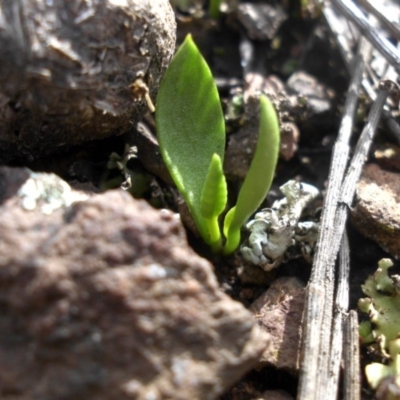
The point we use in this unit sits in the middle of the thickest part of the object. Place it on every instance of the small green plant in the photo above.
(191, 134)
(214, 8)
(381, 333)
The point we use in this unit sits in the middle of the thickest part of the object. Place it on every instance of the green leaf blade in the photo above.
(213, 201)
(259, 177)
(215, 193)
(190, 125)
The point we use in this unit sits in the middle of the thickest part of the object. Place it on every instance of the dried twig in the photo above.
(321, 351)
(340, 316)
(345, 38)
(324, 260)
(318, 308)
(341, 32)
(351, 11)
(357, 162)
(352, 384)
(383, 17)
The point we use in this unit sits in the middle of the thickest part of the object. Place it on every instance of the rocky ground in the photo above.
(109, 293)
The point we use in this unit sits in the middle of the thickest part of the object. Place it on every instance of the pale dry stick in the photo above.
(341, 34)
(351, 11)
(323, 260)
(382, 16)
(358, 160)
(338, 30)
(340, 315)
(352, 384)
(349, 186)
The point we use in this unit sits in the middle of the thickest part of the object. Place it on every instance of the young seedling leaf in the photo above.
(213, 200)
(215, 193)
(190, 126)
(259, 177)
(214, 8)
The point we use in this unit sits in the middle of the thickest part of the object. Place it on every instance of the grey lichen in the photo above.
(275, 230)
(47, 192)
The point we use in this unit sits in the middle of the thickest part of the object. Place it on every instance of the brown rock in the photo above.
(73, 71)
(104, 300)
(317, 94)
(242, 144)
(274, 395)
(278, 312)
(376, 212)
(261, 21)
(290, 136)
(246, 391)
(388, 156)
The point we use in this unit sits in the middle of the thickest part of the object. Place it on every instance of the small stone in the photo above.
(388, 157)
(274, 395)
(261, 21)
(279, 312)
(376, 211)
(104, 299)
(290, 136)
(72, 71)
(317, 94)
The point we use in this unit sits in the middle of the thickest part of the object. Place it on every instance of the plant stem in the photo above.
(213, 8)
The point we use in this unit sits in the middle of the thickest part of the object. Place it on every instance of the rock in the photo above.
(317, 94)
(389, 388)
(278, 312)
(290, 136)
(376, 211)
(388, 156)
(73, 71)
(103, 299)
(261, 21)
(250, 274)
(245, 391)
(274, 395)
(242, 144)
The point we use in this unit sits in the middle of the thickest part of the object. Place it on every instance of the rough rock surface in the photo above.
(104, 300)
(246, 391)
(73, 71)
(317, 94)
(376, 212)
(388, 156)
(261, 21)
(278, 312)
(274, 395)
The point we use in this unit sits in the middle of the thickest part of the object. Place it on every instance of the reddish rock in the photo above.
(261, 21)
(376, 212)
(247, 391)
(274, 395)
(103, 299)
(278, 312)
(290, 136)
(74, 71)
(388, 156)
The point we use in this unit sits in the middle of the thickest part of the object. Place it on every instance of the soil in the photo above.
(302, 43)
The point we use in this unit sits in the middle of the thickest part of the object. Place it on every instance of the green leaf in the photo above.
(214, 8)
(213, 200)
(259, 177)
(190, 126)
(215, 193)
